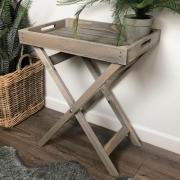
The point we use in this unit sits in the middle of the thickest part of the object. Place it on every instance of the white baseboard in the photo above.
(156, 138)
(147, 135)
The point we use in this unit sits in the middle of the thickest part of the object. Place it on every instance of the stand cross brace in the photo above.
(102, 82)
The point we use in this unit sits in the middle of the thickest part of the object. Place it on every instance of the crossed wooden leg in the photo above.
(117, 138)
(75, 110)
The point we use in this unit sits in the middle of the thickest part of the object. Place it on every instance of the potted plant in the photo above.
(13, 16)
(134, 26)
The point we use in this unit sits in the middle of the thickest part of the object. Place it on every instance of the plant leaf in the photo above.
(75, 26)
(3, 32)
(145, 3)
(67, 2)
(78, 12)
(5, 14)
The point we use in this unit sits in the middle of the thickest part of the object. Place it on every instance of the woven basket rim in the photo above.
(27, 66)
(21, 93)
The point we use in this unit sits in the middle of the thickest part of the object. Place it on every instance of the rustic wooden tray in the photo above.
(97, 40)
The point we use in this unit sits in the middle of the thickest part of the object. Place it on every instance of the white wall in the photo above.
(149, 92)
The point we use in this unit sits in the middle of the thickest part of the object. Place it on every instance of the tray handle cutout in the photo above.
(146, 43)
(48, 27)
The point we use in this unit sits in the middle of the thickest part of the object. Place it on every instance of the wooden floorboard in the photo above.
(159, 165)
(71, 143)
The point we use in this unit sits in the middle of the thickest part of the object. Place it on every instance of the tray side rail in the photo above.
(103, 52)
(38, 36)
(143, 45)
(86, 24)
(47, 27)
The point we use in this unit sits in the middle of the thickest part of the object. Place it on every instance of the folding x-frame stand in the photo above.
(99, 87)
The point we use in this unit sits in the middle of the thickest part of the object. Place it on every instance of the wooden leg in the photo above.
(113, 103)
(115, 140)
(75, 110)
(109, 82)
(80, 117)
(75, 106)
(96, 144)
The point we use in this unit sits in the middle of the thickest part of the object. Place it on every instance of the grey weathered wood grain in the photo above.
(92, 37)
(92, 25)
(158, 167)
(93, 50)
(60, 57)
(128, 159)
(98, 147)
(56, 58)
(113, 103)
(80, 117)
(81, 101)
(109, 83)
(116, 139)
(95, 46)
(143, 45)
(57, 25)
(88, 32)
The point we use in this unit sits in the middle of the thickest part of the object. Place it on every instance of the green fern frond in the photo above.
(120, 27)
(119, 9)
(75, 26)
(67, 2)
(168, 4)
(119, 34)
(78, 12)
(84, 5)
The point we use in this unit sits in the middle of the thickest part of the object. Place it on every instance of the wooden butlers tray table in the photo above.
(97, 42)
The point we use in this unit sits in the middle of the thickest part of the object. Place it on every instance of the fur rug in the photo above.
(12, 168)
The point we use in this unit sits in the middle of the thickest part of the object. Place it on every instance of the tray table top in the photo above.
(97, 40)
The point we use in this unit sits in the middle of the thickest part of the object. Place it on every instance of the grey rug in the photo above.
(12, 168)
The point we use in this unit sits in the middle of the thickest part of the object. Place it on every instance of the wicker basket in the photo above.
(21, 92)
